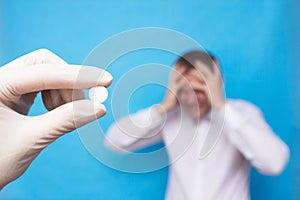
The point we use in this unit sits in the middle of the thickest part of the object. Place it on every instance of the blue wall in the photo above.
(254, 40)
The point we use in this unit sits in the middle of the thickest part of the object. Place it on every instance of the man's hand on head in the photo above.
(176, 81)
(214, 84)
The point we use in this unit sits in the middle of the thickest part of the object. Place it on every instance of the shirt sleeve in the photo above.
(136, 131)
(247, 129)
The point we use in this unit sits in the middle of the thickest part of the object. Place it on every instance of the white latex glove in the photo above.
(23, 137)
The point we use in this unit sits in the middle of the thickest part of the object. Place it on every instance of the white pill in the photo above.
(98, 94)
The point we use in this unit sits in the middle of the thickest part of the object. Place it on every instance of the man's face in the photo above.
(192, 95)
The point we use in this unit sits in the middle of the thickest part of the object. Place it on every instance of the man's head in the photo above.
(192, 96)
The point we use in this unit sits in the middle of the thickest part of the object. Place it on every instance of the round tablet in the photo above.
(98, 94)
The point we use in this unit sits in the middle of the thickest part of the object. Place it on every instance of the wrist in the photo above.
(219, 105)
(166, 107)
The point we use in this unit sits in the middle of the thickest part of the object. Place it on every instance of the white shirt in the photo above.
(245, 138)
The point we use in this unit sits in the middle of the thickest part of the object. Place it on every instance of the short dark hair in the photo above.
(189, 59)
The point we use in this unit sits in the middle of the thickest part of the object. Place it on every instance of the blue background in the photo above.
(257, 42)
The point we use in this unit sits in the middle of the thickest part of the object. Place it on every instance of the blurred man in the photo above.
(211, 141)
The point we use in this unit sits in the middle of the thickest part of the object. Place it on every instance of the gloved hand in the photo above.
(23, 137)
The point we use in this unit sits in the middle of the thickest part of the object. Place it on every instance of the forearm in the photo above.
(135, 131)
(256, 140)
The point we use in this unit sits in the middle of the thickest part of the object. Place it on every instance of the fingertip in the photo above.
(105, 83)
(93, 76)
(106, 78)
(100, 110)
